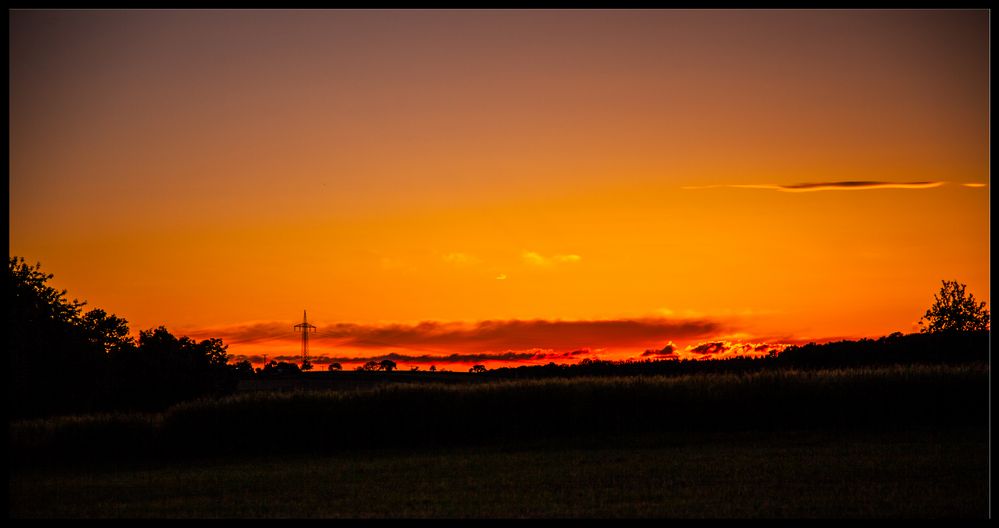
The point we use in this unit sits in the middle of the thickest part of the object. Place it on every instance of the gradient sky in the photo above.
(503, 186)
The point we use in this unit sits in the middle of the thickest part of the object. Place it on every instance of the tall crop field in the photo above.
(414, 415)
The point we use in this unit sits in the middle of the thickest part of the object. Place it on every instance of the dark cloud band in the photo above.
(483, 336)
(509, 356)
(835, 186)
(855, 185)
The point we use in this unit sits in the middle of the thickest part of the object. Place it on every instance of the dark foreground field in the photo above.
(899, 442)
(717, 475)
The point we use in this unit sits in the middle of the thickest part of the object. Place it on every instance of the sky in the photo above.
(506, 187)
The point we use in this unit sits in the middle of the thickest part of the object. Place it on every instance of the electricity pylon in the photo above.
(305, 327)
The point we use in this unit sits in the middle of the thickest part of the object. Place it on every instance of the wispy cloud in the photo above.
(246, 333)
(533, 258)
(460, 259)
(834, 186)
(389, 263)
(666, 352)
(537, 259)
(723, 348)
(857, 185)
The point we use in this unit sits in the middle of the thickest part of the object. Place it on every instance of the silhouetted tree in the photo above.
(282, 368)
(477, 368)
(387, 365)
(370, 365)
(243, 369)
(107, 332)
(953, 309)
(306, 365)
(433, 368)
(334, 366)
(57, 356)
(65, 361)
(164, 369)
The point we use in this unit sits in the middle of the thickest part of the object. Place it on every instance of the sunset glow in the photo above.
(512, 187)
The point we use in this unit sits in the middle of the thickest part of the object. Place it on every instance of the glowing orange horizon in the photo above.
(496, 344)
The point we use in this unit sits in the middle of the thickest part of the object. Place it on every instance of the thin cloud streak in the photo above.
(857, 185)
(833, 186)
(537, 259)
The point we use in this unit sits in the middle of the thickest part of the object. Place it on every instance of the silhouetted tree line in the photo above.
(64, 360)
(386, 364)
(276, 369)
(954, 347)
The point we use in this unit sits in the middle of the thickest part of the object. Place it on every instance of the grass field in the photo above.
(717, 475)
(438, 415)
(901, 442)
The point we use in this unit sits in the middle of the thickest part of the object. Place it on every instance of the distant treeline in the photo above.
(941, 348)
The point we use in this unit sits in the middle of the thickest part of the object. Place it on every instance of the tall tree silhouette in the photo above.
(56, 355)
(954, 310)
(64, 361)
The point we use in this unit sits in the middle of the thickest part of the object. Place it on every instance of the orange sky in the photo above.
(503, 184)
